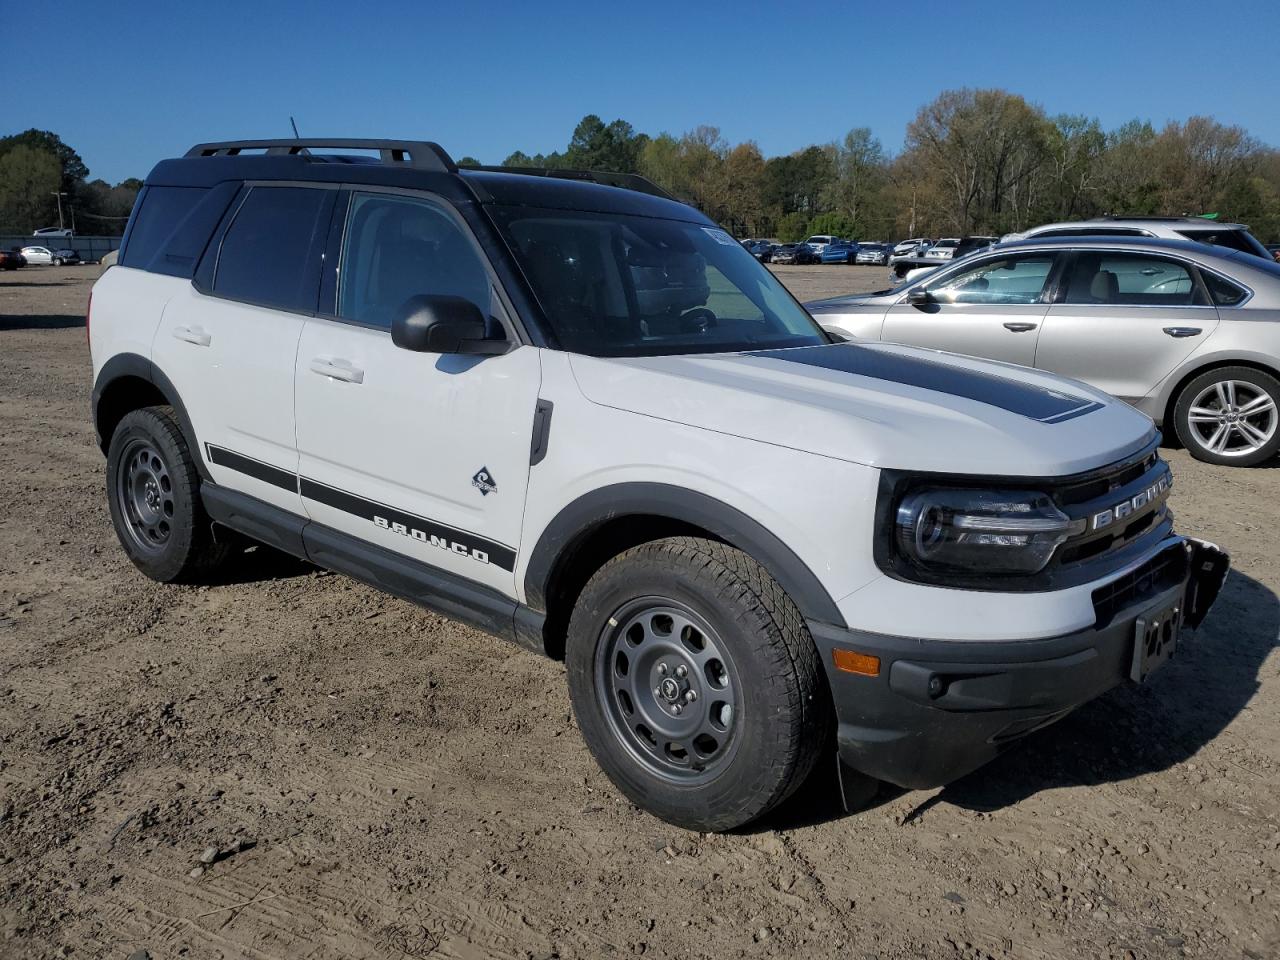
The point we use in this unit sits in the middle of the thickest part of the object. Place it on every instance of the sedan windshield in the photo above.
(618, 286)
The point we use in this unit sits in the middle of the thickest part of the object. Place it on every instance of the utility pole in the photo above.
(60, 194)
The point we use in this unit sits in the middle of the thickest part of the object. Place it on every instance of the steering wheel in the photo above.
(698, 320)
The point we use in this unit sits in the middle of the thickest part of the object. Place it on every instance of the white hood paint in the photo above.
(868, 420)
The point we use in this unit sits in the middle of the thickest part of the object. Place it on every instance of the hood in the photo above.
(881, 405)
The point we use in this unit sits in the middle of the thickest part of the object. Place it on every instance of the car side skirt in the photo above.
(455, 597)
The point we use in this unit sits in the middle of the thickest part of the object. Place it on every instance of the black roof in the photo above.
(419, 165)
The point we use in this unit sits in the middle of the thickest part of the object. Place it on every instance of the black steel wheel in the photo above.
(146, 495)
(153, 492)
(695, 683)
(669, 686)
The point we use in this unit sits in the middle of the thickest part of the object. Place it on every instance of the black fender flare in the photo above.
(135, 365)
(582, 516)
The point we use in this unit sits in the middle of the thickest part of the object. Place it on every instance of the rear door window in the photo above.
(1132, 280)
(270, 251)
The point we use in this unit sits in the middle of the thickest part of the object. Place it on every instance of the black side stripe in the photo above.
(419, 528)
(1024, 399)
(462, 542)
(285, 479)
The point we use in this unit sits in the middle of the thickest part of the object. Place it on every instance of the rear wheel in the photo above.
(1230, 416)
(695, 682)
(153, 491)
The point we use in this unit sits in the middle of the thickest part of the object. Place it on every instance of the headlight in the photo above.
(980, 531)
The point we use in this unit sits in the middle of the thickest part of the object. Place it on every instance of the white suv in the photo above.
(579, 415)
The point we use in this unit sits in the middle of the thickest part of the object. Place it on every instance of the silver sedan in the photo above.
(1189, 334)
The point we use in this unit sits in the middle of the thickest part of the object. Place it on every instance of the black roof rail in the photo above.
(420, 154)
(627, 181)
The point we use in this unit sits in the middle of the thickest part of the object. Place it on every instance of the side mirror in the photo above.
(432, 323)
(919, 297)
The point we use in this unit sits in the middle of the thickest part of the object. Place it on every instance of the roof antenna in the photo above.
(295, 128)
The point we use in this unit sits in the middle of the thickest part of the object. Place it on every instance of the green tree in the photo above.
(72, 168)
(29, 176)
(833, 224)
(793, 226)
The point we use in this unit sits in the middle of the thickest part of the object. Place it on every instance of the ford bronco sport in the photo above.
(573, 412)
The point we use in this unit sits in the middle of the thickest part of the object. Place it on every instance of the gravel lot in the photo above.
(371, 780)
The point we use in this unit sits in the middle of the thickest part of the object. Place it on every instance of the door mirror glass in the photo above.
(439, 323)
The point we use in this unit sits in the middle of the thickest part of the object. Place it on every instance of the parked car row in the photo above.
(820, 248)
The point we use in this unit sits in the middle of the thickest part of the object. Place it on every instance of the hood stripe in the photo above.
(1024, 399)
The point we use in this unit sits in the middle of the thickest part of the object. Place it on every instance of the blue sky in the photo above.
(133, 82)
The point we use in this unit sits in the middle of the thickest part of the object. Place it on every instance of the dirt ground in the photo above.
(375, 781)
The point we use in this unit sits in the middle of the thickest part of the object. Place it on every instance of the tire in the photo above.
(1230, 416)
(153, 491)
(57, 261)
(732, 638)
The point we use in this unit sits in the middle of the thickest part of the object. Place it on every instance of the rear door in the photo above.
(230, 348)
(991, 308)
(1125, 320)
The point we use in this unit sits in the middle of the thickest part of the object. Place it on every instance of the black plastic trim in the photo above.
(586, 514)
(135, 365)
(458, 598)
(541, 431)
(419, 154)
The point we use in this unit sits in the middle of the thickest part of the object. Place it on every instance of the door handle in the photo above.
(1182, 331)
(196, 335)
(1020, 327)
(337, 368)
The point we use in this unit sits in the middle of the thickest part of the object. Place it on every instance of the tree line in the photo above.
(37, 170)
(971, 162)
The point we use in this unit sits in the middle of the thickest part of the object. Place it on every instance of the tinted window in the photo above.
(617, 285)
(1222, 291)
(266, 256)
(161, 212)
(1241, 240)
(1131, 279)
(399, 247)
(1007, 280)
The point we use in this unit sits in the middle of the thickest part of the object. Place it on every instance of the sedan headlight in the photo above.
(976, 532)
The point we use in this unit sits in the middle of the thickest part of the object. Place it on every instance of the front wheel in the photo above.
(1230, 416)
(57, 261)
(695, 683)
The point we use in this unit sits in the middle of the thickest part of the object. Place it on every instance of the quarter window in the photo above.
(401, 247)
(1222, 292)
(1133, 280)
(267, 253)
(162, 210)
(1006, 280)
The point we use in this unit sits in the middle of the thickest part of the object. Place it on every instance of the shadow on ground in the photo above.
(1129, 732)
(53, 321)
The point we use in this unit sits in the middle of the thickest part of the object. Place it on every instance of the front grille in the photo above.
(1087, 497)
(1162, 572)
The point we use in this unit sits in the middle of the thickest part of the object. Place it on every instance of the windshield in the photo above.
(619, 286)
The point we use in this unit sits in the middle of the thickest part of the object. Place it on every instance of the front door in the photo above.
(992, 308)
(424, 454)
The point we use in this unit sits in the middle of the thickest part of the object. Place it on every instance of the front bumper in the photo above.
(938, 709)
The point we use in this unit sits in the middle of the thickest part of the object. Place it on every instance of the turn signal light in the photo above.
(850, 661)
